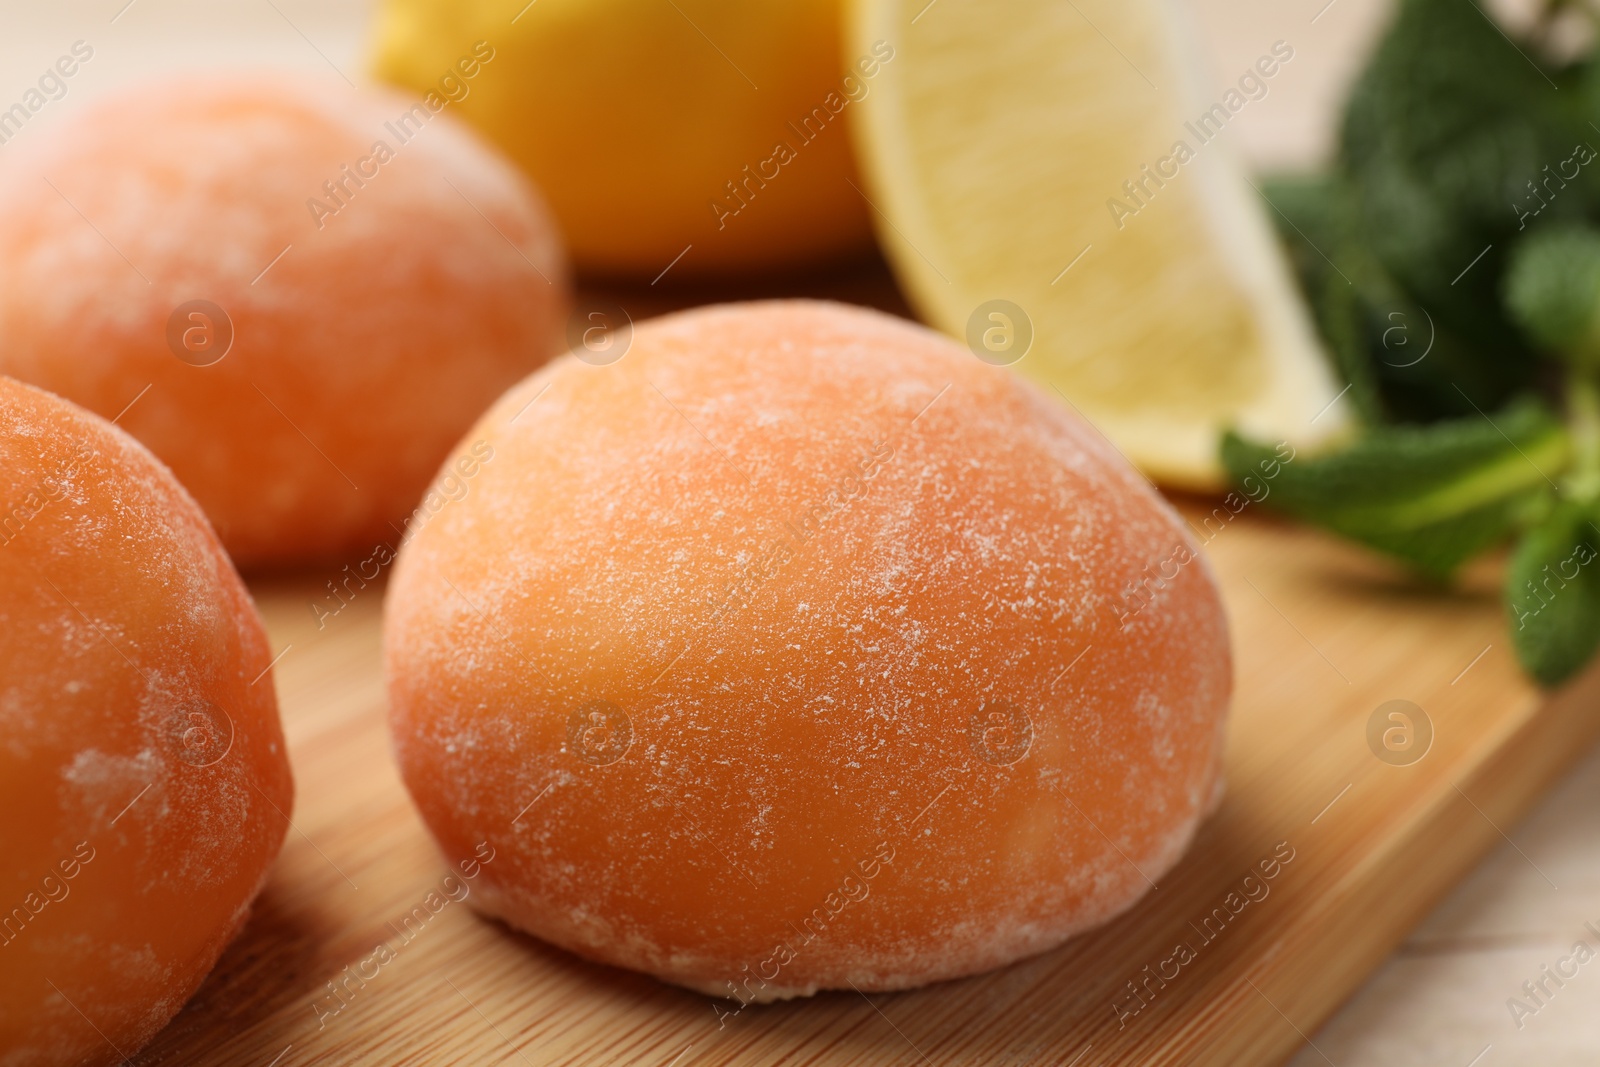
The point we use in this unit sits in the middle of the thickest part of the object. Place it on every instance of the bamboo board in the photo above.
(1323, 635)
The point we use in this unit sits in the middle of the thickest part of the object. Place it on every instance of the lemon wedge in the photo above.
(1049, 186)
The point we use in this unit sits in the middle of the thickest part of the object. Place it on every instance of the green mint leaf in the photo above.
(1552, 287)
(1553, 594)
(1431, 496)
(1459, 137)
(1317, 225)
(1401, 364)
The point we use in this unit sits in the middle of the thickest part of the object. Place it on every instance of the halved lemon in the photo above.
(1050, 186)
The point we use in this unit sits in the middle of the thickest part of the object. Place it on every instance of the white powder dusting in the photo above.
(122, 620)
(803, 547)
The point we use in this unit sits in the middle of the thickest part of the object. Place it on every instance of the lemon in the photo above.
(709, 130)
(1052, 189)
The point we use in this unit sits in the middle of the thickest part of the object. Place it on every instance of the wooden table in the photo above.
(1442, 998)
(1324, 636)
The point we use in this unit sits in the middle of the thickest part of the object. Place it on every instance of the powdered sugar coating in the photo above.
(374, 316)
(889, 718)
(140, 747)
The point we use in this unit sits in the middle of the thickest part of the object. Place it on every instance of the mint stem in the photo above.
(1583, 421)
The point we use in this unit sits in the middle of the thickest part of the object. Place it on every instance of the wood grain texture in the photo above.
(1323, 635)
(1445, 996)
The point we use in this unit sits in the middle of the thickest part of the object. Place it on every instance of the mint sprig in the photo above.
(1431, 496)
(1462, 214)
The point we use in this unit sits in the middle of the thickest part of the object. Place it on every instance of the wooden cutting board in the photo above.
(1323, 636)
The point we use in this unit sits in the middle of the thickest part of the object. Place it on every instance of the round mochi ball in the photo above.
(801, 649)
(144, 785)
(307, 293)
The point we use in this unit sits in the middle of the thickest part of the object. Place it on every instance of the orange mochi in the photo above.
(320, 288)
(801, 649)
(144, 785)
